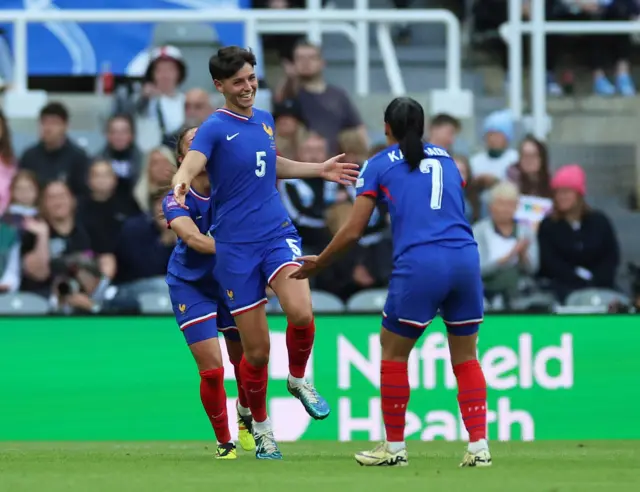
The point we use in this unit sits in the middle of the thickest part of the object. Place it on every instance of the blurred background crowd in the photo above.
(80, 221)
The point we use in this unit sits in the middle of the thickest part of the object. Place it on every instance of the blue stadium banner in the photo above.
(69, 48)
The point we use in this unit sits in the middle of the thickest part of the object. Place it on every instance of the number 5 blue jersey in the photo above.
(426, 205)
(241, 164)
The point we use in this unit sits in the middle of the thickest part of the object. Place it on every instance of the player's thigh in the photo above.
(207, 354)
(195, 310)
(294, 295)
(414, 296)
(396, 348)
(227, 326)
(463, 308)
(254, 334)
(239, 274)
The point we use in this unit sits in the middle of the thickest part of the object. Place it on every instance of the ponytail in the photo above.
(412, 148)
(405, 119)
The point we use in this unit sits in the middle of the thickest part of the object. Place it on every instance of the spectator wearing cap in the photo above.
(161, 101)
(55, 157)
(197, 108)
(326, 109)
(290, 128)
(578, 246)
(489, 166)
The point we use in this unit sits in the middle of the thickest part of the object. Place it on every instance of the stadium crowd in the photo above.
(74, 227)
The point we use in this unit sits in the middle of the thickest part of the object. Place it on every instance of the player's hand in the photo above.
(309, 268)
(180, 194)
(344, 173)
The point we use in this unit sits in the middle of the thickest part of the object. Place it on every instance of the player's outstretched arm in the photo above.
(350, 232)
(188, 231)
(192, 165)
(331, 170)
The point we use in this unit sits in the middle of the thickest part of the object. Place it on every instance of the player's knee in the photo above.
(300, 315)
(257, 357)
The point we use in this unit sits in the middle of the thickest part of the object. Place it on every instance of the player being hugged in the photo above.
(196, 299)
(255, 240)
(435, 267)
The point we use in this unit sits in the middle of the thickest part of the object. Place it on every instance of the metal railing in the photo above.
(314, 21)
(538, 27)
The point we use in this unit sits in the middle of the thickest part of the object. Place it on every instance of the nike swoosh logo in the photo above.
(232, 136)
(198, 217)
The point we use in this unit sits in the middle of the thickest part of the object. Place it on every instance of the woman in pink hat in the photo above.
(578, 246)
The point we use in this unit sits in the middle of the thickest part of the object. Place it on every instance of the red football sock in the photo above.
(254, 380)
(299, 345)
(394, 389)
(472, 397)
(242, 397)
(214, 401)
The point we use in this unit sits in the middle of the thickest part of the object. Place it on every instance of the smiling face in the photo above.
(240, 89)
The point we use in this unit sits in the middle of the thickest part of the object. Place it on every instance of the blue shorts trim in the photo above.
(250, 307)
(280, 268)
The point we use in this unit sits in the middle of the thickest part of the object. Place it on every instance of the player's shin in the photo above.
(214, 401)
(254, 380)
(472, 398)
(395, 391)
(299, 344)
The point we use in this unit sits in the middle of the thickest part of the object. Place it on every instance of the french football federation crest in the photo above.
(182, 308)
(268, 130)
(230, 295)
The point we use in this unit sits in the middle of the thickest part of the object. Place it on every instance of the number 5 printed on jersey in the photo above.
(261, 164)
(434, 167)
(293, 246)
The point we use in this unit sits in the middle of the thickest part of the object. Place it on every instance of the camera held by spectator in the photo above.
(78, 284)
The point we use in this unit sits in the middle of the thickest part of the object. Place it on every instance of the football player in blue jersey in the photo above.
(436, 267)
(200, 313)
(256, 242)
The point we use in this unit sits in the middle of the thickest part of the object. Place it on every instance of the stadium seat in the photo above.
(155, 303)
(23, 303)
(195, 41)
(324, 302)
(91, 141)
(596, 298)
(537, 301)
(367, 301)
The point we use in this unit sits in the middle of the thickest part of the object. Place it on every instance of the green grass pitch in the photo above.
(314, 467)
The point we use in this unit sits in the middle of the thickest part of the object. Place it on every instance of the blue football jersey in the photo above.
(425, 205)
(186, 263)
(241, 164)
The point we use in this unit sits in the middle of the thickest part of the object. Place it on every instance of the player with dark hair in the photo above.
(255, 240)
(200, 313)
(435, 267)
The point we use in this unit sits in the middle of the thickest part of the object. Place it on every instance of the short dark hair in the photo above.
(230, 60)
(55, 109)
(121, 116)
(305, 43)
(443, 119)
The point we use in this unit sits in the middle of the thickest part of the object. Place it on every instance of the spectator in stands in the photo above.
(7, 163)
(144, 247)
(156, 176)
(508, 250)
(24, 195)
(59, 240)
(290, 128)
(578, 246)
(55, 157)
(490, 166)
(326, 108)
(282, 43)
(9, 257)
(350, 144)
(162, 101)
(197, 108)
(103, 212)
(123, 154)
(443, 130)
(531, 172)
(470, 198)
(306, 199)
(605, 50)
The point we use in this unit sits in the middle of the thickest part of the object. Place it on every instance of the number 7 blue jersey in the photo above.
(426, 205)
(241, 164)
